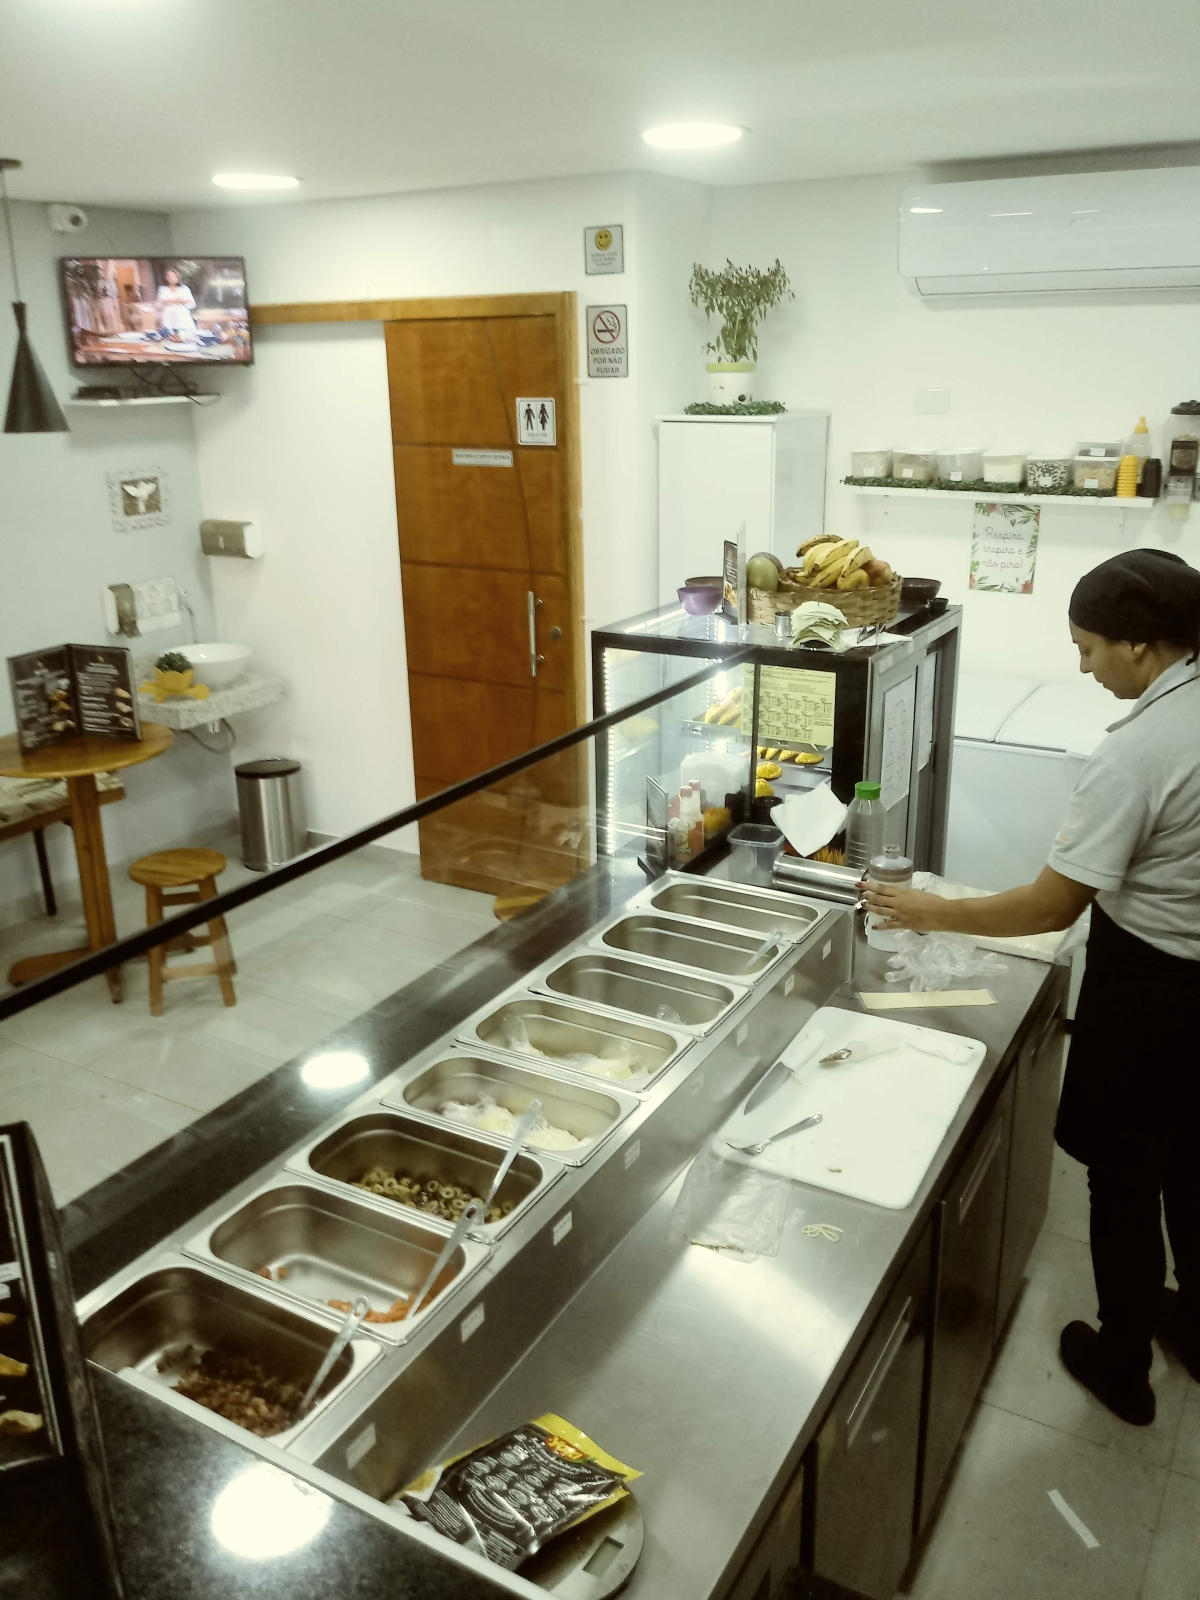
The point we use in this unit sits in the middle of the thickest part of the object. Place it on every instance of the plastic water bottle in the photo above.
(865, 821)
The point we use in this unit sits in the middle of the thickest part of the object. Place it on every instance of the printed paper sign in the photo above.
(899, 715)
(535, 420)
(795, 706)
(139, 499)
(604, 249)
(1004, 543)
(607, 341)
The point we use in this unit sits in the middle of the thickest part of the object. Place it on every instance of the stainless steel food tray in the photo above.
(336, 1246)
(425, 1148)
(733, 905)
(558, 1031)
(686, 944)
(180, 1302)
(589, 1111)
(631, 986)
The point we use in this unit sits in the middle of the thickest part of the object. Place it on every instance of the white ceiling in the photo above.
(139, 102)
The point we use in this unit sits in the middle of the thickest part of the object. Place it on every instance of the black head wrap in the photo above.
(1143, 596)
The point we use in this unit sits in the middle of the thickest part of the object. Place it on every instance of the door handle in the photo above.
(971, 1187)
(534, 658)
(861, 1408)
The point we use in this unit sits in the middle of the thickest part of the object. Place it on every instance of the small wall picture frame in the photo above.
(139, 498)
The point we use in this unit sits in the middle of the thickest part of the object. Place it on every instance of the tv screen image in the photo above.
(165, 310)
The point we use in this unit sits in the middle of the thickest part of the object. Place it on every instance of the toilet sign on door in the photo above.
(607, 341)
(535, 420)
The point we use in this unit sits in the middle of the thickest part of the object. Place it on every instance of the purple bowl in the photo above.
(699, 599)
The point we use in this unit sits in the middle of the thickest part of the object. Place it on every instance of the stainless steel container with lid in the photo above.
(896, 870)
(271, 812)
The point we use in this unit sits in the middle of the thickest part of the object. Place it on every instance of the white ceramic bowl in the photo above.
(218, 664)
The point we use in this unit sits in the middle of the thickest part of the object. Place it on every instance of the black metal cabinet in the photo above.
(866, 1454)
(776, 1556)
(1038, 1077)
(966, 1285)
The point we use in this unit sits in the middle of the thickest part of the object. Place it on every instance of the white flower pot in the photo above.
(730, 381)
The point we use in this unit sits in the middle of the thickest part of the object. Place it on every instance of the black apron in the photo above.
(1131, 1095)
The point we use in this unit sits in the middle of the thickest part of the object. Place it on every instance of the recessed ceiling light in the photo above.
(253, 180)
(924, 211)
(692, 135)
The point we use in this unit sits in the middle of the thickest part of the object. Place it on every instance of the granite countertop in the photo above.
(247, 693)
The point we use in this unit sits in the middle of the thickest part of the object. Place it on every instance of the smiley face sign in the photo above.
(604, 248)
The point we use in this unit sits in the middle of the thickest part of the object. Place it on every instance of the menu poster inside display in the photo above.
(73, 691)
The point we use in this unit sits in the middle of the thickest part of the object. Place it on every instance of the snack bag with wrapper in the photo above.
(508, 1498)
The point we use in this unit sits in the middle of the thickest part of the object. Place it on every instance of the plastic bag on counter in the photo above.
(508, 1498)
(1058, 947)
(729, 1206)
(616, 1063)
(927, 961)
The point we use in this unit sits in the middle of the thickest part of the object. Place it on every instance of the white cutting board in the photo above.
(883, 1118)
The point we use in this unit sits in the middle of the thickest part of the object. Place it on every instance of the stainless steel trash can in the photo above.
(271, 809)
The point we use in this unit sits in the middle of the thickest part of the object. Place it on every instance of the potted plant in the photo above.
(173, 674)
(741, 297)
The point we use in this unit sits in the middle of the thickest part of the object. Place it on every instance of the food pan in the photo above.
(588, 1114)
(527, 1025)
(319, 1246)
(157, 1317)
(737, 907)
(701, 947)
(422, 1150)
(677, 998)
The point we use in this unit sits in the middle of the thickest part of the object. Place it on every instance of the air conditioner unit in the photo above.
(1092, 232)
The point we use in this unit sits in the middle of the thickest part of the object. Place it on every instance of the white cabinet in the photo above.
(714, 473)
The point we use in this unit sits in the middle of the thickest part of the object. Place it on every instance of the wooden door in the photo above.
(491, 570)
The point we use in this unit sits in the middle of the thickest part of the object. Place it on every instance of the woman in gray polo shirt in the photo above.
(1129, 848)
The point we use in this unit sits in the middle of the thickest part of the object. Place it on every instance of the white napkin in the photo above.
(811, 819)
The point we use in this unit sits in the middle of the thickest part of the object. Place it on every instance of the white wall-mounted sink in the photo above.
(218, 664)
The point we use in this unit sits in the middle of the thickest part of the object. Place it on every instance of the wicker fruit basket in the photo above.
(862, 608)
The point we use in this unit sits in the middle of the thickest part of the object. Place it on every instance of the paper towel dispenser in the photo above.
(222, 538)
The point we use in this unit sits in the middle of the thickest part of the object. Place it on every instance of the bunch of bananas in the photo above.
(828, 563)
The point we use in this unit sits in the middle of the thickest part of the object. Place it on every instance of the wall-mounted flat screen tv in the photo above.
(160, 310)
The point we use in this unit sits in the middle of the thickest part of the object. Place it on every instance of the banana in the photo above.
(860, 558)
(829, 574)
(840, 551)
(853, 580)
(713, 711)
(811, 544)
(815, 556)
(733, 714)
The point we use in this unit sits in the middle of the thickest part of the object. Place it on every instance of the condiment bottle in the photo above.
(896, 870)
(1138, 446)
(1127, 477)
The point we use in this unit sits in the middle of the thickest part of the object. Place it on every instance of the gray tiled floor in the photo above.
(101, 1084)
(998, 1536)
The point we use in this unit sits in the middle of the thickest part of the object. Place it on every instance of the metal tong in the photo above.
(347, 1331)
(758, 1148)
(471, 1214)
(774, 937)
(520, 1133)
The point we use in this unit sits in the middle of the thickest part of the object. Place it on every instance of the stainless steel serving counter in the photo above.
(712, 1376)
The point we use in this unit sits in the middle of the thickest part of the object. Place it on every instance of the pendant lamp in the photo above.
(32, 407)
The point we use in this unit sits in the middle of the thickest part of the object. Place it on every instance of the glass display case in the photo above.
(881, 710)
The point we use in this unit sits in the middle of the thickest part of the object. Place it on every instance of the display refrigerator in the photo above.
(880, 710)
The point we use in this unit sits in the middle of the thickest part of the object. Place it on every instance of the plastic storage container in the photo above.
(865, 822)
(1004, 466)
(753, 847)
(271, 810)
(1095, 472)
(919, 465)
(1048, 472)
(960, 466)
(896, 870)
(870, 463)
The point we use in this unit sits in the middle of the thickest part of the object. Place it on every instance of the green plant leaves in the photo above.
(741, 297)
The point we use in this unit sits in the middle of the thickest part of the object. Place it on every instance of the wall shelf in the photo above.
(147, 400)
(1100, 503)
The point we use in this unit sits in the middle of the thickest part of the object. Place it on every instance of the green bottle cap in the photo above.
(866, 791)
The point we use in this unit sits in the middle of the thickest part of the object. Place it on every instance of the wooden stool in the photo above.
(175, 869)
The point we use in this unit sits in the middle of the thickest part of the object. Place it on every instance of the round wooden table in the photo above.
(78, 761)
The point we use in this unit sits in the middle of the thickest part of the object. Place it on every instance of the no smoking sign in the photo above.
(607, 341)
